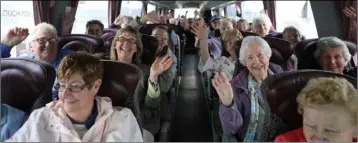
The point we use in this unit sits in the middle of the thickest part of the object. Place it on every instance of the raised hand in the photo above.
(160, 66)
(200, 29)
(223, 88)
(15, 36)
(350, 12)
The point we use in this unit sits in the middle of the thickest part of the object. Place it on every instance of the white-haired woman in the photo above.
(243, 109)
(332, 54)
(261, 25)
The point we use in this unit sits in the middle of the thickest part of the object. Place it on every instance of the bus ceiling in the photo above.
(191, 4)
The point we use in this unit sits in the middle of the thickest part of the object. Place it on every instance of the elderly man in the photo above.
(42, 43)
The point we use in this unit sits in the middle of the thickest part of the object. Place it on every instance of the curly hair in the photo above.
(322, 91)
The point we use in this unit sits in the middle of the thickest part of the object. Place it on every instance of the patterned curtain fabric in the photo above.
(270, 6)
(114, 9)
(43, 11)
(349, 31)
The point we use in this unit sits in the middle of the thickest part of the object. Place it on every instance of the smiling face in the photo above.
(328, 123)
(125, 46)
(261, 28)
(256, 60)
(76, 95)
(332, 60)
(45, 46)
(162, 36)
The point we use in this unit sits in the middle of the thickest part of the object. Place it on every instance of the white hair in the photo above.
(262, 18)
(332, 42)
(41, 28)
(226, 24)
(247, 43)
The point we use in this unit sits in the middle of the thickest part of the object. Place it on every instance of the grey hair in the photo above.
(262, 18)
(40, 28)
(332, 42)
(247, 43)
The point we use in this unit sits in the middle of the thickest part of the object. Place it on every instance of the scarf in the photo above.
(258, 112)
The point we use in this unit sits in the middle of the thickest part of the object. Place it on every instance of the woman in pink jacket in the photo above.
(79, 115)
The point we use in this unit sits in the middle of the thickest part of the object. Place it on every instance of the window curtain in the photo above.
(114, 9)
(349, 32)
(43, 11)
(144, 8)
(270, 6)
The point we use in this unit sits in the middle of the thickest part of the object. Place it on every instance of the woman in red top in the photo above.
(329, 110)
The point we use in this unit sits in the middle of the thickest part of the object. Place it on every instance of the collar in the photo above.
(91, 119)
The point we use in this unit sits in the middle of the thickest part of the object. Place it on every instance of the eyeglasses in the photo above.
(44, 40)
(130, 41)
(72, 88)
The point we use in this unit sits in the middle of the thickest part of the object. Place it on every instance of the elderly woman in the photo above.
(332, 54)
(79, 115)
(127, 47)
(242, 25)
(243, 111)
(121, 21)
(329, 110)
(261, 25)
(222, 64)
(293, 35)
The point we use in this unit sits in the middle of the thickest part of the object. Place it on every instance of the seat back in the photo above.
(121, 83)
(107, 39)
(282, 50)
(26, 81)
(282, 89)
(150, 45)
(305, 49)
(244, 34)
(96, 44)
(110, 31)
(77, 46)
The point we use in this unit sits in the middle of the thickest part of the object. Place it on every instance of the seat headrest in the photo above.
(96, 43)
(305, 49)
(282, 89)
(110, 30)
(150, 45)
(121, 82)
(282, 50)
(77, 46)
(24, 81)
(147, 29)
(244, 34)
(106, 36)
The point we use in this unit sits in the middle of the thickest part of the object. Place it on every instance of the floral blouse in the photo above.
(222, 64)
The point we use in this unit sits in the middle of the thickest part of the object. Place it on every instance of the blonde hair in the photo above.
(233, 33)
(137, 56)
(325, 90)
(226, 24)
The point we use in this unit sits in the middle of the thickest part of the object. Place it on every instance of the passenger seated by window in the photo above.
(243, 111)
(127, 47)
(292, 34)
(329, 110)
(79, 115)
(95, 28)
(243, 25)
(332, 54)
(11, 121)
(121, 21)
(261, 25)
(42, 43)
(226, 63)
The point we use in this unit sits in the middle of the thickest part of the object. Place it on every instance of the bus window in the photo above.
(251, 9)
(182, 11)
(150, 8)
(298, 14)
(90, 10)
(17, 14)
(222, 12)
(131, 8)
(231, 10)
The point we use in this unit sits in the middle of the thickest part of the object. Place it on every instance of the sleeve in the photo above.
(153, 94)
(167, 78)
(134, 133)
(5, 51)
(280, 138)
(211, 64)
(230, 117)
(30, 128)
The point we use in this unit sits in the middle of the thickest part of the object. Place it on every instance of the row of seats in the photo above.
(281, 52)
